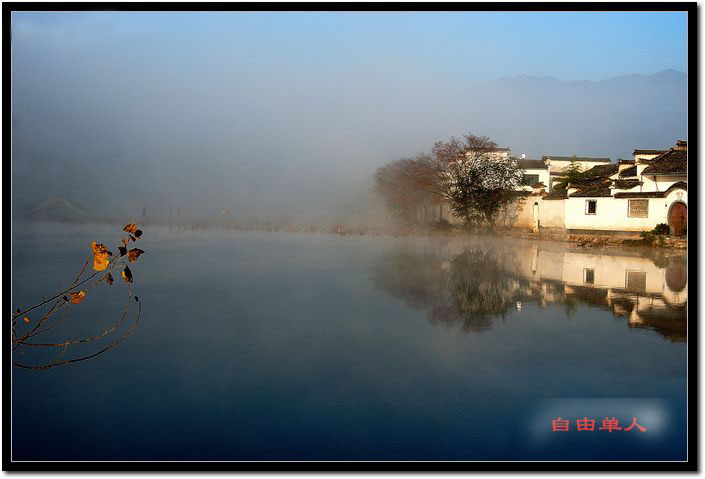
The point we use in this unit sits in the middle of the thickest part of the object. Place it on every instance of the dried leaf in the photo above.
(130, 228)
(133, 254)
(138, 233)
(126, 275)
(133, 238)
(100, 256)
(124, 240)
(98, 247)
(26, 319)
(77, 297)
(123, 250)
(109, 278)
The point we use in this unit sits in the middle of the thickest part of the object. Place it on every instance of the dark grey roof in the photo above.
(598, 188)
(631, 171)
(602, 170)
(575, 158)
(648, 152)
(674, 161)
(532, 164)
(626, 184)
(653, 194)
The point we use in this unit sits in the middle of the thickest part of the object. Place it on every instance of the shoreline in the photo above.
(585, 240)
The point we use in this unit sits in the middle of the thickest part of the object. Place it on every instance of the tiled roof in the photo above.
(597, 188)
(575, 158)
(631, 171)
(648, 152)
(602, 170)
(556, 194)
(680, 184)
(638, 194)
(626, 184)
(653, 194)
(532, 164)
(674, 161)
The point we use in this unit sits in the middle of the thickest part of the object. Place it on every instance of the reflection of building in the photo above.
(470, 285)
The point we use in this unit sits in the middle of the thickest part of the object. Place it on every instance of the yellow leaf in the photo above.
(133, 254)
(100, 256)
(77, 297)
(26, 319)
(130, 228)
(98, 247)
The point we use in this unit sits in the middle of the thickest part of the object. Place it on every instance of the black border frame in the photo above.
(321, 466)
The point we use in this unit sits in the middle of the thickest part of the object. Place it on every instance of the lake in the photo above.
(293, 346)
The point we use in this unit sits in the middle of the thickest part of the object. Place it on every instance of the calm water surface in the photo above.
(304, 346)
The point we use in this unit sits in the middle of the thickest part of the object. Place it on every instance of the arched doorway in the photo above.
(678, 218)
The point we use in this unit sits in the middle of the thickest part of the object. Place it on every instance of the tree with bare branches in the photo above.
(29, 352)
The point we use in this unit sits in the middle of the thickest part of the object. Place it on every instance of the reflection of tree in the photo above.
(480, 287)
(468, 290)
(677, 273)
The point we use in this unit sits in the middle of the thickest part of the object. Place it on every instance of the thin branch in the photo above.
(73, 286)
(90, 356)
(87, 339)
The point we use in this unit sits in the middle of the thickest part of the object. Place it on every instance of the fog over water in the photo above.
(287, 116)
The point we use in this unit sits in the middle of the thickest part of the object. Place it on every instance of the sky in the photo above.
(281, 113)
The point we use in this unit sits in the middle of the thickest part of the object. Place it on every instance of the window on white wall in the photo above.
(638, 209)
(529, 180)
(590, 207)
(588, 276)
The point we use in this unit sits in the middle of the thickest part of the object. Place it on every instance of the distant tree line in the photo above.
(465, 173)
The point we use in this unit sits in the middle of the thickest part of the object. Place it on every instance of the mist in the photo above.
(286, 117)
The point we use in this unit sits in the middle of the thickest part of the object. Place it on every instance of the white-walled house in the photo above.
(628, 196)
(632, 195)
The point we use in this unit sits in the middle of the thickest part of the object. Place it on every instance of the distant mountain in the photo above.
(545, 116)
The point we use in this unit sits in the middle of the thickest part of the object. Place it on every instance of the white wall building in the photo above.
(633, 195)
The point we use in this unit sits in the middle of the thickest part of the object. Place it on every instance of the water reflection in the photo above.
(472, 283)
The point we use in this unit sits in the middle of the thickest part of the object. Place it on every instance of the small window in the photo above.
(591, 207)
(636, 281)
(589, 276)
(530, 180)
(638, 209)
